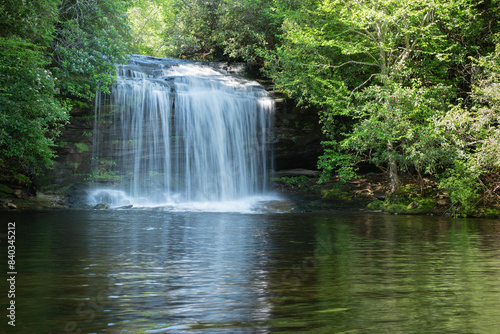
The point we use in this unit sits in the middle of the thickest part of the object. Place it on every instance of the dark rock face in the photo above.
(297, 137)
(74, 153)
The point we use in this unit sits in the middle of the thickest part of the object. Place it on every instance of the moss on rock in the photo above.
(418, 206)
(5, 191)
(377, 205)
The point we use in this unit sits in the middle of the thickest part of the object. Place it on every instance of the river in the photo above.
(159, 271)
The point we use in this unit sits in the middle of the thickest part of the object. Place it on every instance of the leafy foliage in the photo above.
(461, 183)
(476, 136)
(91, 38)
(388, 78)
(84, 38)
(247, 28)
(29, 20)
(30, 115)
(192, 31)
(149, 21)
(206, 30)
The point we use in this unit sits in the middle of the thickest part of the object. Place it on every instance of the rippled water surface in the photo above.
(151, 271)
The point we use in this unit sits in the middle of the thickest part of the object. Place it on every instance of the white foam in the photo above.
(119, 199)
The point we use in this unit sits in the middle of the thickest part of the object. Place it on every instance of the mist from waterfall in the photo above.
(175, 132)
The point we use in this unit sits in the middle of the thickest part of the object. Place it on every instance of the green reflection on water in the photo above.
(386, 274)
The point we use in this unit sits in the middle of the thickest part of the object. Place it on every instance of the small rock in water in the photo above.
(126, 207)
(275, 206)
(11, 206)
(101, 206)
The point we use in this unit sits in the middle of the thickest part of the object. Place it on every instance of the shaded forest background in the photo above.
(409, 87)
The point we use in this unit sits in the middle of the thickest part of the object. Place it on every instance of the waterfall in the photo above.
(176, 131)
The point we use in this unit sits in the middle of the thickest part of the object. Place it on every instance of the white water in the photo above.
(182, 134)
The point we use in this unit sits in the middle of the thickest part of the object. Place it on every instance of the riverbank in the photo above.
(370, 193)
(302, 193)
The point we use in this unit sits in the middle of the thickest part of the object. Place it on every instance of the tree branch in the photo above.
(329, 66)
(187, 4)
(364, 83)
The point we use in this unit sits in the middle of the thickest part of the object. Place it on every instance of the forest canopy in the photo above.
(405, 86)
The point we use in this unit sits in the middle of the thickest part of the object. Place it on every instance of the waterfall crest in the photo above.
(180, 132)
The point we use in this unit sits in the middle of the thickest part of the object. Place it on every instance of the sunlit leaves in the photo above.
(85, 40)
(149, 21)
(30, 115)
(91, 39)
(395, 70)
(246, 28)
(30, 20)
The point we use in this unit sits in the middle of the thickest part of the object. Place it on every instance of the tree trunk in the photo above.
(393, 169)
(384, 73)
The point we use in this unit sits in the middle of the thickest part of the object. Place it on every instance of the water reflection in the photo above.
(395, 275)
(146, 271)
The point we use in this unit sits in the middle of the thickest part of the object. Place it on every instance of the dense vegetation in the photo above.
(53, 55)
(405, 86)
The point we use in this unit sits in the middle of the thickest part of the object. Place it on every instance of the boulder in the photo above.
(101, 206)
(18, 193)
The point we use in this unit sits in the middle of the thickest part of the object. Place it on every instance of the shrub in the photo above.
(461, 183)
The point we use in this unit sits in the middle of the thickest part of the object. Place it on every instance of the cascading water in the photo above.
(174, 132)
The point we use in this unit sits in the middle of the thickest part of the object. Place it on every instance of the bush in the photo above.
(461, 183)
(377, 205)
(300, 182)
(30, 115)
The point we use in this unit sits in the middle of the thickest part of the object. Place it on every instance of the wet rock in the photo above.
(297, 172)
(101, 206)
(11, 206)
(48, 198)
(276, 206)
(77, 196)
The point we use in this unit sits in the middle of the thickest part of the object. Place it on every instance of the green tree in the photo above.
(31, 20)
(30, 115)
(486, 94)
(192, 32)
(85, 40)
(382, 73)
(91, 38)
(149, 21)
(247, 28)
(217, 29)
(474, 131)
